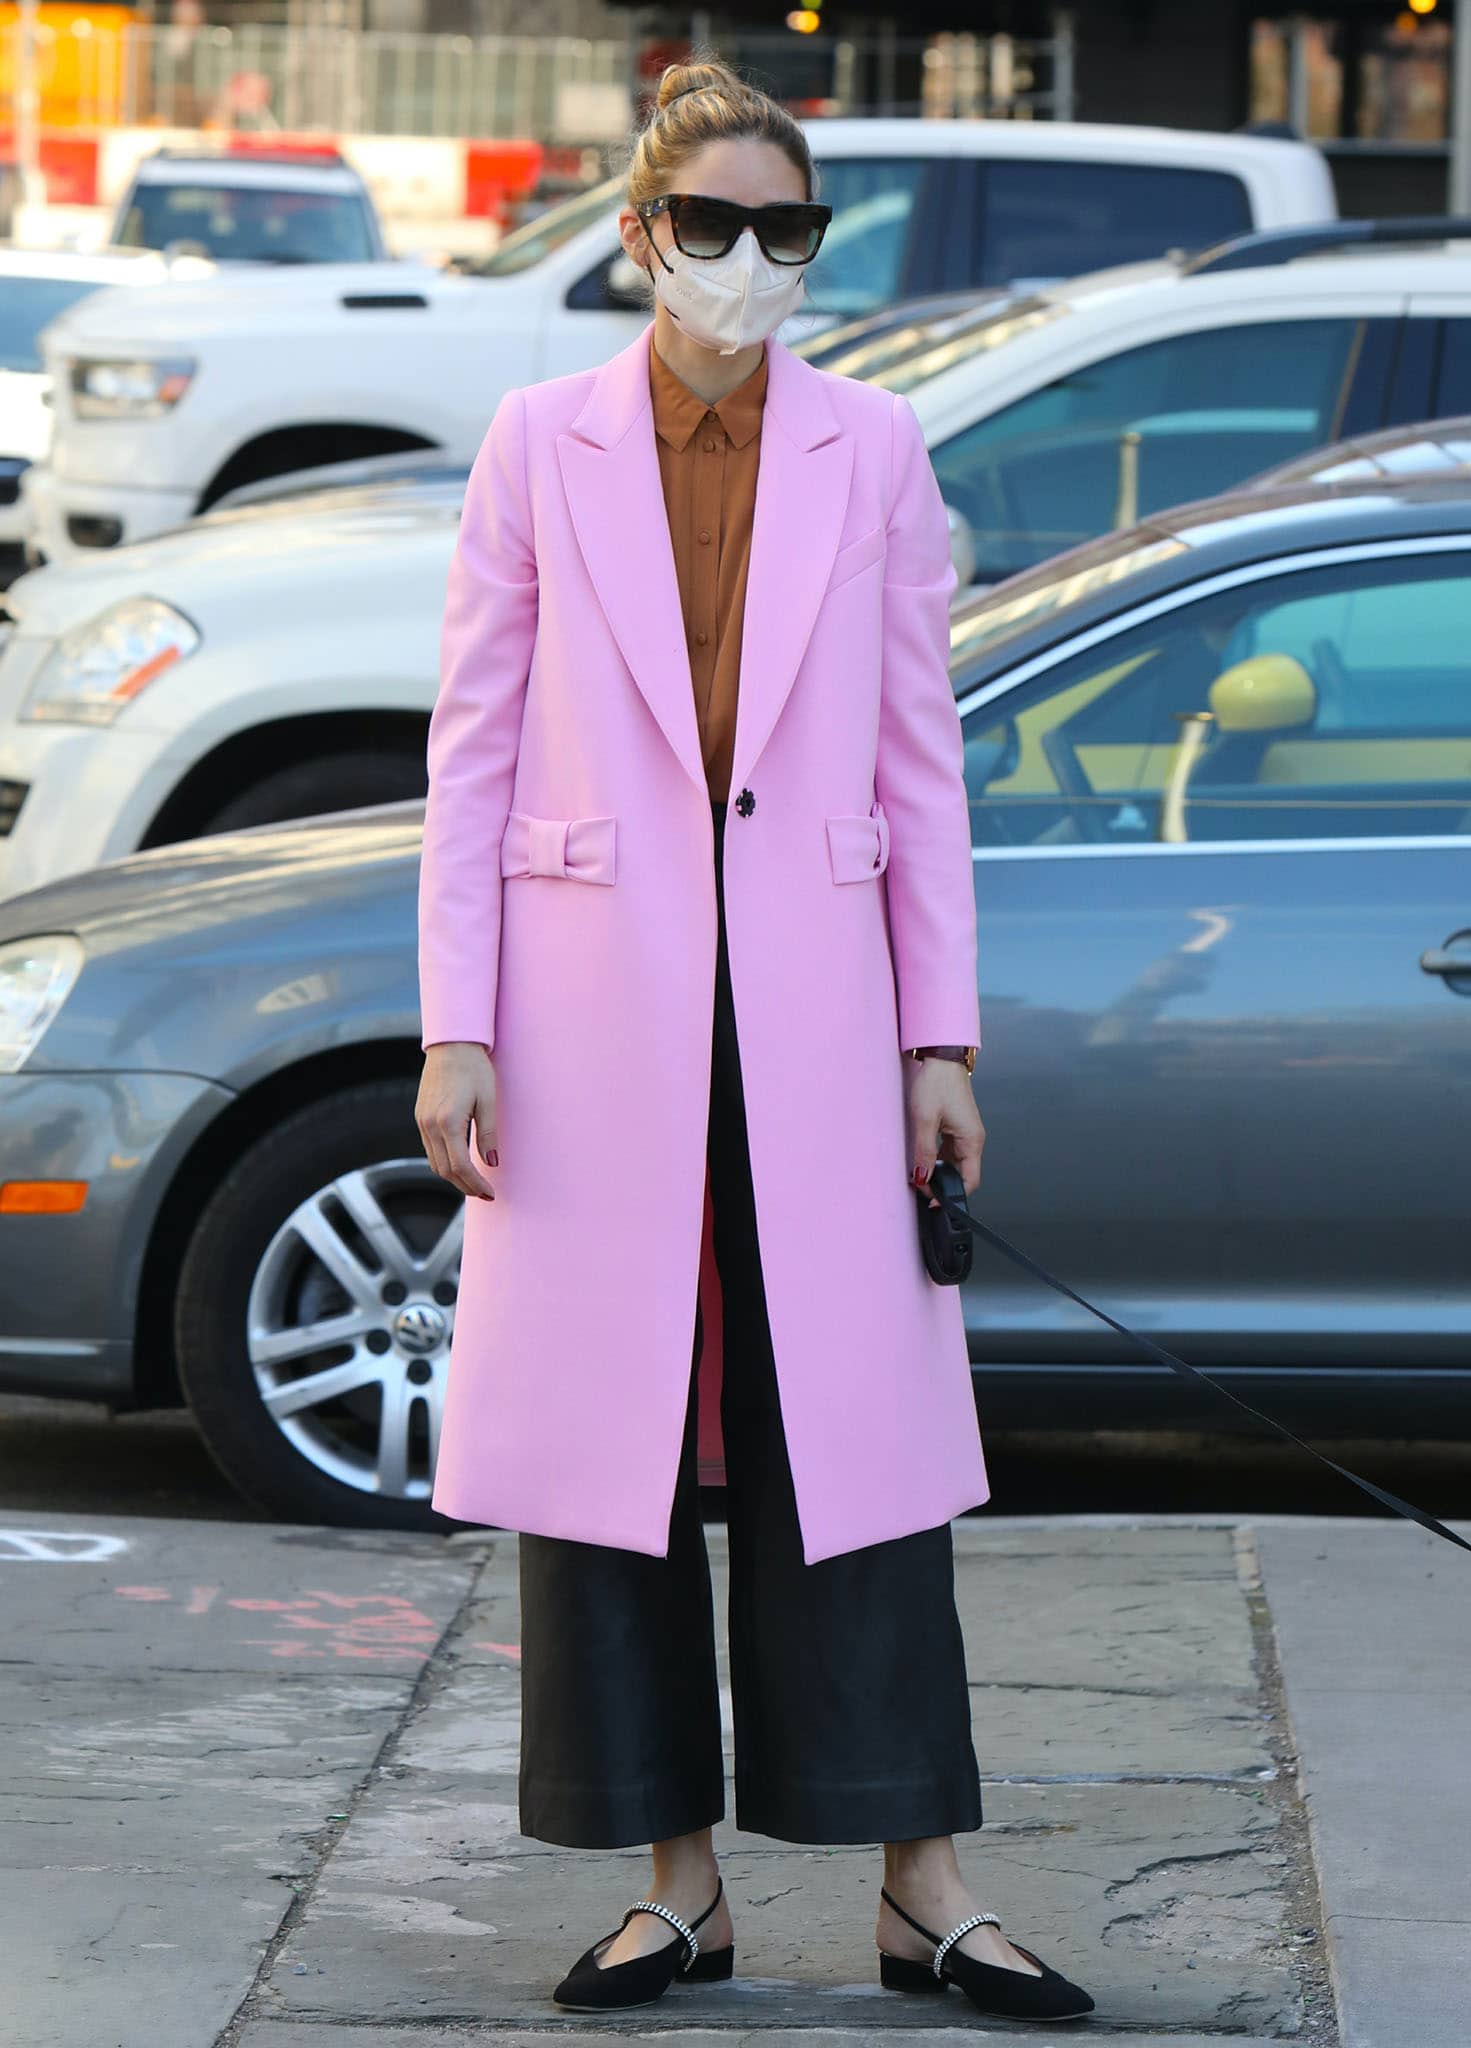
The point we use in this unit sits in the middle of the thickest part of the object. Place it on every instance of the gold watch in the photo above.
(946, 1052)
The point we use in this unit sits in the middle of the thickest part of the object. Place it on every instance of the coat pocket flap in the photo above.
(858, 844)
(581, 849)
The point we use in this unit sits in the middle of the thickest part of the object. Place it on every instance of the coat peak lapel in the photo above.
(615, 494)
(610, 470)
(802, 483)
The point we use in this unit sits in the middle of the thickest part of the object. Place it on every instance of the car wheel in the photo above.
(338, 782)
(314, 1313)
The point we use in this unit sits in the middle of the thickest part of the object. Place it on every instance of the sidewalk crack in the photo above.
(328, 1839)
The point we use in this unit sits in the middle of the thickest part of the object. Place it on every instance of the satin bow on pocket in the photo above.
(858, 844)
(578, 849)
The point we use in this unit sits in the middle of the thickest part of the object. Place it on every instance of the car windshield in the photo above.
(900, 355)
(985, 625)
(26, 306)
(250, 223)
(1442, 450)
(548, 231)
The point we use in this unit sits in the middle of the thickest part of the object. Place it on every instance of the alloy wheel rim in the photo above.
(349, 1321)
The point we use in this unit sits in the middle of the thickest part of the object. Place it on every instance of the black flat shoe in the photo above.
(642, 1979)
(992, 1989)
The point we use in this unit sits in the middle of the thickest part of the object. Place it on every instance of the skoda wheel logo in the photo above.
(419, 1327)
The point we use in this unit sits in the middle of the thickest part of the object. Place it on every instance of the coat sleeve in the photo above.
(919, 776)
(486, 637)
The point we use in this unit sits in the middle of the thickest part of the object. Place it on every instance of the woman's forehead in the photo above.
(750, 171)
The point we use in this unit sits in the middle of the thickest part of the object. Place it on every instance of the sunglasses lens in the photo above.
(706, 227)
(791, 234)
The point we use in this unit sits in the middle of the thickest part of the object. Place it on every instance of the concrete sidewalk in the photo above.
(262, 1794)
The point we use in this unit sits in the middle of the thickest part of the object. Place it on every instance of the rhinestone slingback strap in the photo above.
(943, 1948)
(955, 1934)
(681, 1927)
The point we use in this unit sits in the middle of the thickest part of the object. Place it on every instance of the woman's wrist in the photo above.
(965, 1054)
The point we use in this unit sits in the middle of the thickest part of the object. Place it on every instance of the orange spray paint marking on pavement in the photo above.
(364, 1626)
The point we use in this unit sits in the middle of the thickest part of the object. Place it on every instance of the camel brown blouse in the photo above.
(708, 457)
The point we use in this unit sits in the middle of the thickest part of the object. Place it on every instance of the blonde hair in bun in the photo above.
(701, 102)
(677, 79)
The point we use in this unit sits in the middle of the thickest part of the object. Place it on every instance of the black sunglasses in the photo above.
(788, 231)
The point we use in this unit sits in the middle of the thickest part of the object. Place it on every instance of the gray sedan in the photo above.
(1220, 778)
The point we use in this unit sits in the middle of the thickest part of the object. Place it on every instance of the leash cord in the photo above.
(959, 1213)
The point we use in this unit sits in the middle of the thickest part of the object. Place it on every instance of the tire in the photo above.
(336, 782)
(281, 1251)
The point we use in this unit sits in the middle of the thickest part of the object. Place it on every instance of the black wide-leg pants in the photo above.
(849, 1696)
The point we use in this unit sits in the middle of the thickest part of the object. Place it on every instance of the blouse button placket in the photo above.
(709, 483)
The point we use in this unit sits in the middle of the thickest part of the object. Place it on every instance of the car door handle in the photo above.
(1438, 961)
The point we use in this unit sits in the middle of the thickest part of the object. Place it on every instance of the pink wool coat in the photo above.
(567, 920)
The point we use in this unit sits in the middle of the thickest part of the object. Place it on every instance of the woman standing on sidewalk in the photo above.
(708, 567)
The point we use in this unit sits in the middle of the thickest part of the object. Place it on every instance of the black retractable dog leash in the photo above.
(946, 1240)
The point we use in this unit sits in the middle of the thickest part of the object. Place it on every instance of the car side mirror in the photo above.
(962, 548)
(626, 283)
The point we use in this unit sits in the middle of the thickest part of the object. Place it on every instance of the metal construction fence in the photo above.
(259, 77)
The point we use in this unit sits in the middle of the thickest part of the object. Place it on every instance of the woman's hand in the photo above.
(458, 1084)
(943, 1121)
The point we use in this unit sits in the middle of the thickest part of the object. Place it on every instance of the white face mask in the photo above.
(727, 302)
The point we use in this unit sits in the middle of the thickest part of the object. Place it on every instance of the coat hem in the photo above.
(646, 1546)
(969, 1500)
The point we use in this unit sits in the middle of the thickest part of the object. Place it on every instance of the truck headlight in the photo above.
(99, 667)
(123, 388)
(36, 976)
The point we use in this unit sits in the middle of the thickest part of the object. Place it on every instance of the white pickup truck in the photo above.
(162, 407)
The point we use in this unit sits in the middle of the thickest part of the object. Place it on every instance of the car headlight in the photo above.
(36, 976)
(99, 667)
(119, 388)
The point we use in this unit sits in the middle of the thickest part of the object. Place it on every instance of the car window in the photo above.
(1155, 426)
(1295, 707)
(901, 352)
(861, 263)
(1052, 220)
(27, 304)
(1453, 390)
(1391, 655)
(239, 223)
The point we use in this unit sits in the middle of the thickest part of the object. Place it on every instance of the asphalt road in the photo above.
(73, 1457)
